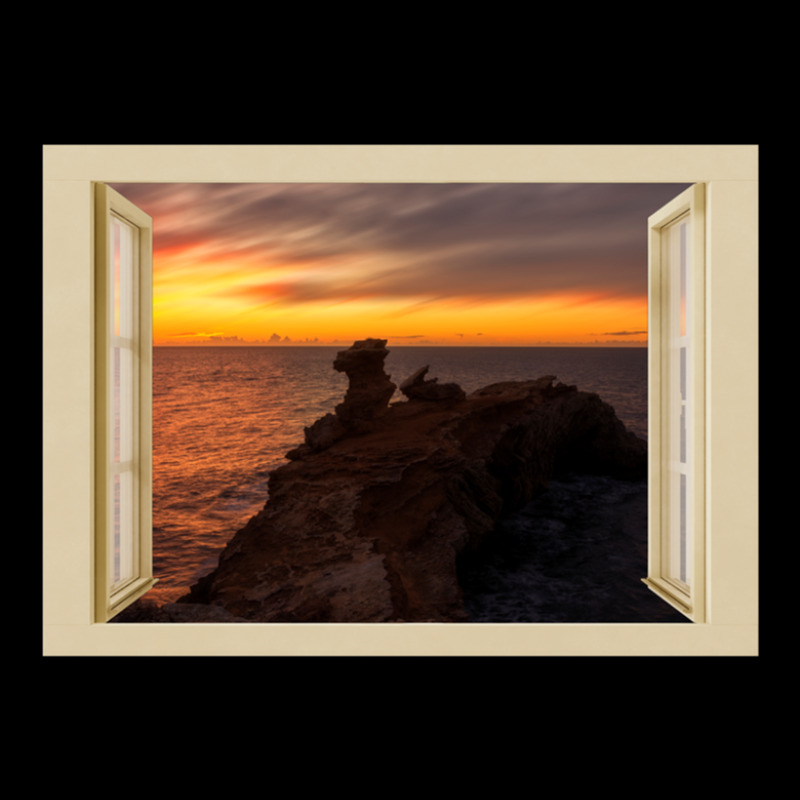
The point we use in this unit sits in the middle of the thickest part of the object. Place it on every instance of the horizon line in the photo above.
(284, 345)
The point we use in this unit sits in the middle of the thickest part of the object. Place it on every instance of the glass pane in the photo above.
(684, 263)
(122, 387)
(683, 373)
(124, 407)
(683, 536)
(122, 268)
(678, 548)
(682, 455)
(122, 544)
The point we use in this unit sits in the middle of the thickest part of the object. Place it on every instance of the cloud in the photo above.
(414, 240)
(216, 337)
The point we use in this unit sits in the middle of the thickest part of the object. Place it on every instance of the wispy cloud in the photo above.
(412, 240)
(242, 260)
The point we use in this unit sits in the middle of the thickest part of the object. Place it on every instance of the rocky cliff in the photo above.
(368, 519)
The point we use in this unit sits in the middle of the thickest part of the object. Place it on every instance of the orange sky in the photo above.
(488, 264)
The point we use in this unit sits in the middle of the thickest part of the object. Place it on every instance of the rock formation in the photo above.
(369, 389)
(368, 393)
(416, 387)
(367, 520)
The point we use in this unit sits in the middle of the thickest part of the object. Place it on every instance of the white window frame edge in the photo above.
(730, 174)
(109, 601)
(689, 601)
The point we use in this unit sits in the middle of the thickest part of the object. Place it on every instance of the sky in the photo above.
(520, 264)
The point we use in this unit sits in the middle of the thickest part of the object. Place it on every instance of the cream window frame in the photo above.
(664, 379)
(730, 175)
(112, 594)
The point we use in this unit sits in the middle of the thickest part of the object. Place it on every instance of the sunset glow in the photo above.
(471, 264)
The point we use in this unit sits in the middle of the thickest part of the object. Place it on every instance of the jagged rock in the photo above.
(415, 387)
(369, 529)
(370, 389)
(368, 394)
(324, 432)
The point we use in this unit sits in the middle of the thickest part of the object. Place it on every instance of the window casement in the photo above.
(123, 405)
(676, 519)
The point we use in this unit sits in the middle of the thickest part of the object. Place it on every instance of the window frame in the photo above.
(689, 598)
(730, 174)
(112, 597)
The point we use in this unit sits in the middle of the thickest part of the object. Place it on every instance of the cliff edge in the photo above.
(367, 520)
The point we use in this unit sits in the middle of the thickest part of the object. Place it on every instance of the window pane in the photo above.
(683, 536)
(122, 387)
(684, 263)
(682, 454)
(678, 393)
(124, 407)
(123, 526)
(122, 268)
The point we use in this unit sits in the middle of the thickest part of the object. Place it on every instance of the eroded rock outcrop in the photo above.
(367, 520)
(416, 387)
(369, 389)
(368, 393)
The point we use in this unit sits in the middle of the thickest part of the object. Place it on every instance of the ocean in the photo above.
(224, 418)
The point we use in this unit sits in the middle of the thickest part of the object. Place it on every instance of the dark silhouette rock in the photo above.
(368, 393)
(323, 433)
(415, 387)
(370, 389)
(368, 519)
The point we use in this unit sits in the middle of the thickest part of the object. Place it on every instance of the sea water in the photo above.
(224, 418)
